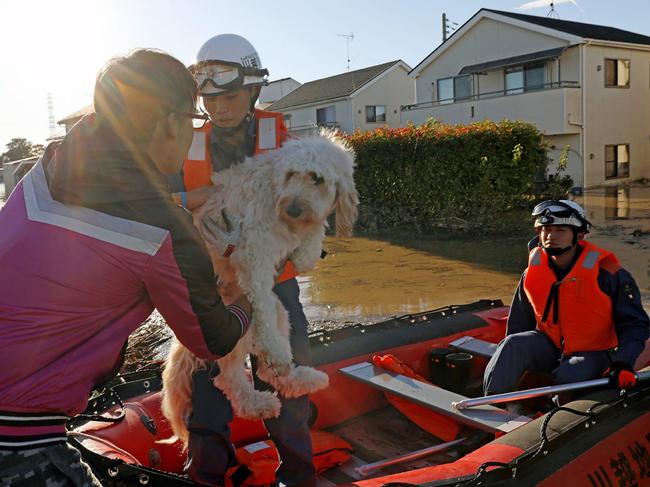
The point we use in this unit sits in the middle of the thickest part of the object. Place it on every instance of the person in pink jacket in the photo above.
(90, 243)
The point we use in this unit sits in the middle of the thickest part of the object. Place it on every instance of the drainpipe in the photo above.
(583, 134)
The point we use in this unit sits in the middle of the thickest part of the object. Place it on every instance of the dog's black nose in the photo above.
(293, 210)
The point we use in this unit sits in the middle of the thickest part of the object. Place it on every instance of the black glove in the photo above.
(621, 375)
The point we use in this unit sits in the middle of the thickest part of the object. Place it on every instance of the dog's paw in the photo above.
(277, 368)
(278, 361)
(302, 380)
(260, 405)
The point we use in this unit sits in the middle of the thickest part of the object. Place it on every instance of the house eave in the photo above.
(617, 44)
(311, 104)
(480, 15)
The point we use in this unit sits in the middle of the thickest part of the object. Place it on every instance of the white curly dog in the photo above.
(277, 203)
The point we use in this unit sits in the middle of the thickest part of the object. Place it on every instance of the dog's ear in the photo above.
(347, 200)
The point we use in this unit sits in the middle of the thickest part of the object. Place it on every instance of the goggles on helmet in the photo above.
(550, 206)
(554, 212)
(225, 76)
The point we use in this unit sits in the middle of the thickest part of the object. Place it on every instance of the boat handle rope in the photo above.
(105, 419)
(541, 450)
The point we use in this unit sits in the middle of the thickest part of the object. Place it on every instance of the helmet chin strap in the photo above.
(554, 251)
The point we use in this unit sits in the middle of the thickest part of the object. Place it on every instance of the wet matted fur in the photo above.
(280, 200)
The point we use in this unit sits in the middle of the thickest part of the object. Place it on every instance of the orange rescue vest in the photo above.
(261, 459)
(585, 318)
(270, 133)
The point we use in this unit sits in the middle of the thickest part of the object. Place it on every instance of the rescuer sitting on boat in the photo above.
(576, 313)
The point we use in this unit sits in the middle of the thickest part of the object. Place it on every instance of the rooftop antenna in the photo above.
(50, 111)
(552, 14)
(545, 3)
(348, 38)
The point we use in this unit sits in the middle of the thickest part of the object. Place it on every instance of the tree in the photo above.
(20, 149)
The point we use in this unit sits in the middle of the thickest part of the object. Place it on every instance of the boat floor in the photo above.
(382, 434)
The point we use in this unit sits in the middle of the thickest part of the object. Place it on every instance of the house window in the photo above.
(456, 88)
(462, 87)
(534, 77)
(326, 116)
(617, 161)
(617, 73)
(524, 78)
(375, 113)
(446, 90)
(514, 80)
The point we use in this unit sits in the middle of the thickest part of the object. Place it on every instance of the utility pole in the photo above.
(50, 111)
(446, 27)
(348, 38)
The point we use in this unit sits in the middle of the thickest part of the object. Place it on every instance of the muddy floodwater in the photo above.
(372, 277)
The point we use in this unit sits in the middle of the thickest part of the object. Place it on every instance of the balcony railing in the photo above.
(493, 94)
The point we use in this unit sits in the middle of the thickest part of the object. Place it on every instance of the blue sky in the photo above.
(58, 47)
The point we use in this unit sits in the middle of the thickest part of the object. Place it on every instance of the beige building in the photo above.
(275, 90)
(363, 99)
(584, 86)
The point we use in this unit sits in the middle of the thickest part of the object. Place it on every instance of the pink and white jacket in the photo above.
(90, 244)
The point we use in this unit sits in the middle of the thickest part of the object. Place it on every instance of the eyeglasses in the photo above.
(198, 119)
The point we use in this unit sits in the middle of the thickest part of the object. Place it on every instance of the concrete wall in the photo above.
(616, 115)
(574, 156)
(488, 40)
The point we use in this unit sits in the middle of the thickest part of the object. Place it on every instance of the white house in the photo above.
(276, 90)
(585, 86)
(362, 99)
(73, 118)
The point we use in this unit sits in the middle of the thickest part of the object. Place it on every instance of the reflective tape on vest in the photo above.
(197, 150)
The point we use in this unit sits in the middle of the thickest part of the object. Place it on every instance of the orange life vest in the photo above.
(261, 459)
(585, 318)
(270, 133)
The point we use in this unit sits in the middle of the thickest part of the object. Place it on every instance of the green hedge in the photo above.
(479, 177)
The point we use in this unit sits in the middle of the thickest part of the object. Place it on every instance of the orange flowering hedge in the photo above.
(466, 175)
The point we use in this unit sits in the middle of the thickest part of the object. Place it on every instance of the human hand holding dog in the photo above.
(194, 198)
(221, 232)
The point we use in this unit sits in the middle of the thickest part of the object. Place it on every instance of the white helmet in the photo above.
(561, 212)
(227, 62)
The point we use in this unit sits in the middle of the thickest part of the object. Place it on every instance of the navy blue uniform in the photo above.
(528, 349)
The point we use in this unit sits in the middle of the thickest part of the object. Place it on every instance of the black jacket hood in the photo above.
(93, 166)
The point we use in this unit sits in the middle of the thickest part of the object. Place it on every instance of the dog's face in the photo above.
(305, 199)
(312, 178)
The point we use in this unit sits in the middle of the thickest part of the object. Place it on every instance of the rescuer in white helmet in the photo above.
(576, 313)
(230, 75)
